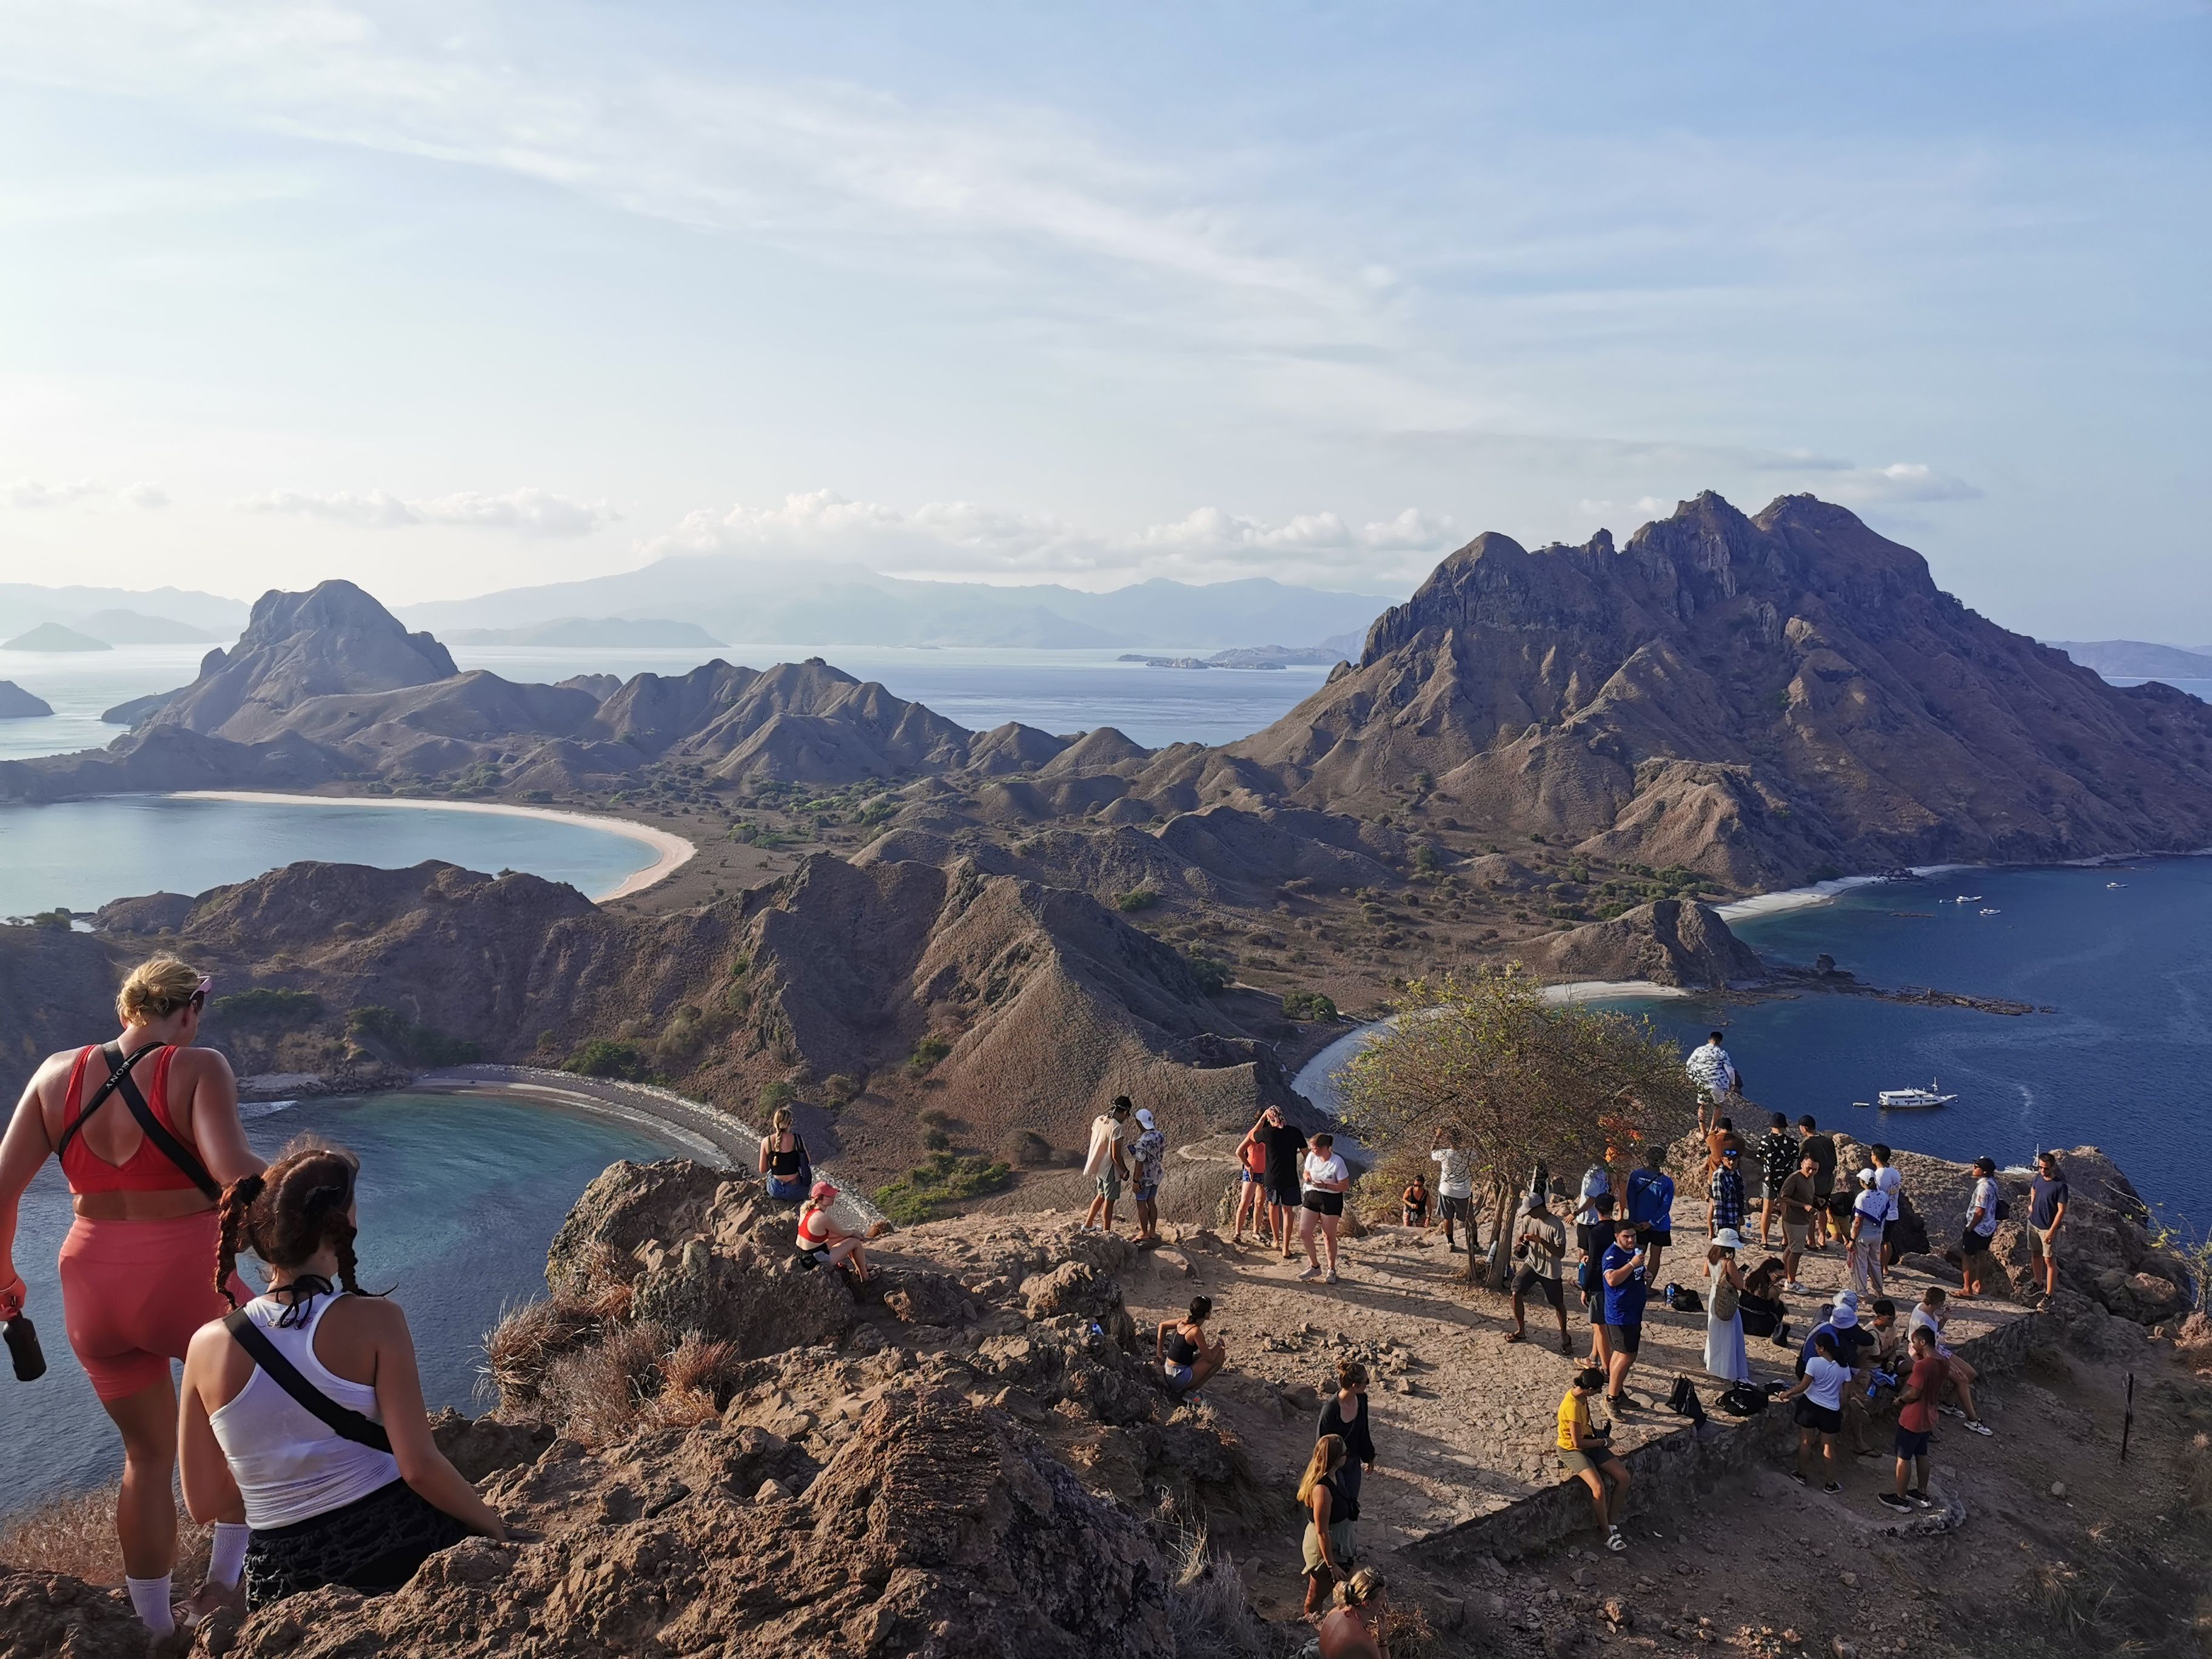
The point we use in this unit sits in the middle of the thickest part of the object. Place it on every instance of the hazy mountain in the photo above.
(23, 604)
(2137, 659)
(17, 704)
(53, 636)
(637, 632)
(124, 627)
(831, 605)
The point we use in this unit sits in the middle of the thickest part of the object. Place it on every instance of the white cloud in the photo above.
(1900, 481)
(148, 496)
(31, 493)
(970, 541)
(532, 513)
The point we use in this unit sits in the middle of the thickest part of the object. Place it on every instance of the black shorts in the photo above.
(1322, 1203)
(1529, 1280)
(1625, 1339)
(1283, 1194)
(1910, 1445)
(1822, 1419)
(1662, 1236)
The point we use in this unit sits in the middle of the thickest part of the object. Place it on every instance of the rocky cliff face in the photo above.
(1668, 942)
(1757, 698)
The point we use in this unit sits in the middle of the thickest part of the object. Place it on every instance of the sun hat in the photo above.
(1144, 1117)
(1729, 1239)
(1867, 1176)
(1845, 1316)
(822, 1191)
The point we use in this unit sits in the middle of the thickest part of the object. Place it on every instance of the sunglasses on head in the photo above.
(198, 1000)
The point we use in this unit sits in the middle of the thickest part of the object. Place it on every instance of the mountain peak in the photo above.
(339, 607)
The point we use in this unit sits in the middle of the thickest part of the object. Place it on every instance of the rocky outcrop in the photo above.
(1674, 942)
(1760, 699)
(17, 704)
(148, 913)
(331, 640)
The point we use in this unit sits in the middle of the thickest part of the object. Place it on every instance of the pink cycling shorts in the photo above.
(134, 1291)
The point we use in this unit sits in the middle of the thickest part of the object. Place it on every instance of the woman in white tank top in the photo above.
(339, 1477)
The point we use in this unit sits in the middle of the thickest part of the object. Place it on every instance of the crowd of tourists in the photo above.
(299, 1436)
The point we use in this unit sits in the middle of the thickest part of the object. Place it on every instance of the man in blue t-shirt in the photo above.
(1627, 1281)
(2046, 1213)
(1652, 1206)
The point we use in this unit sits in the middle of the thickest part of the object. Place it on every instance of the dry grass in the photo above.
(520, 1350)
(1212, 1614)
(699, 1366)
(2196, 1474)
(598, 1394)
(76, 1535)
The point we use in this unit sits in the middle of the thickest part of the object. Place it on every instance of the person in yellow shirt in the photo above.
(1584, 1454)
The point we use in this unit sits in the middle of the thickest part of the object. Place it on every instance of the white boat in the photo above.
(2116, 883)
(1913, 1100)
(1969, 898)
(1989, 911)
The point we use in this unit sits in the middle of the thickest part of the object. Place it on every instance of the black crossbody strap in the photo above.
(117, 1071)
(119, 1080)
(345, 1422)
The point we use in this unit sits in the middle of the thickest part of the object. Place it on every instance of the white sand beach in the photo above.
(672, 850)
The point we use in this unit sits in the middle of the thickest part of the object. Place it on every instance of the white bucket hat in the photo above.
(1729, 1239)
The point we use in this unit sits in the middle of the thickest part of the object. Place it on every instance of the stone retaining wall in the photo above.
(1670, 1472)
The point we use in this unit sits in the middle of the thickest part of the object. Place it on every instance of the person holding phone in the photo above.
(1586, 1455)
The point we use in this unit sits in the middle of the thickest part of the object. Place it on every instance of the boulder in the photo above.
(42, 1614)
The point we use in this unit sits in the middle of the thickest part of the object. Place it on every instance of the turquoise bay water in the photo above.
(82, 853)
(2125, 1062)
(458, 1198)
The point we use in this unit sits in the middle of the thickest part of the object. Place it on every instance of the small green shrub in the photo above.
(1213, 976)
(927, 1052)
(267, 1006)
(838, 1089)
(1308, 1005)
(1137, 898)
(940, 1178)
(775, 1097)
(936, 1140)
(406, 1042)
(604, 1057)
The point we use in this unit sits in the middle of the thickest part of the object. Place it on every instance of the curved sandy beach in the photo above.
(672, 850)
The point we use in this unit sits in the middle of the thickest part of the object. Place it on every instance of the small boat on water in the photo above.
(2115, 883)
(1913, 1100)
(1968, 898)
(1988, 910)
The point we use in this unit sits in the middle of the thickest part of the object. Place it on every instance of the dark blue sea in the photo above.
(2122, 956)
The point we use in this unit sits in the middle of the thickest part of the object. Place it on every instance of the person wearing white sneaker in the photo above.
(1324, 1175)
(1916, 1424)
(1587, 1455)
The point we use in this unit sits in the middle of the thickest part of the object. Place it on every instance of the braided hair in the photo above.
(290, 1211)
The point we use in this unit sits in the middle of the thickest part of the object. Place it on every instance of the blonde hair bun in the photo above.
(155, 989)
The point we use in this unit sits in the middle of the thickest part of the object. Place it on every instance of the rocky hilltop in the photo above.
(1759, 698)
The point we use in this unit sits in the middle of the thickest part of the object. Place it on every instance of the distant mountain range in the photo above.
(743, 600)
(118, 616)
(2139, 659)
(651, 632)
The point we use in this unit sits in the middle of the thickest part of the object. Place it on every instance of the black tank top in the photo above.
(1182, 1351)
(784, 1165)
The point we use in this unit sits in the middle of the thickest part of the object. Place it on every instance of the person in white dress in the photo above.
(1724, 1354)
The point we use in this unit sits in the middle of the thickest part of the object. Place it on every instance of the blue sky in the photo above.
(451, 297)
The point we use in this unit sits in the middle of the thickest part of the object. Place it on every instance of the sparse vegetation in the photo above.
(1213, 976)
(941, 1178)
(604, 1057)
(267, 1006)
(405, 1042)
(1136, 899)
(838, 1089)
(775, 1097)
(1308, 1005)
(926, 1054)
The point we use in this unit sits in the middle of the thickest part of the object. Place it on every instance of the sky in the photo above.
(452, 297)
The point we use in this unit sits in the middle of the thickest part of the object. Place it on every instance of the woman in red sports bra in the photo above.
(134, 1268)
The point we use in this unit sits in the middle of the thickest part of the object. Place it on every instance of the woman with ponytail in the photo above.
(146, 1128)
(304, 1409)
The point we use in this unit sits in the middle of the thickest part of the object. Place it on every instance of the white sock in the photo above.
(149, 1597)
(227, 1558)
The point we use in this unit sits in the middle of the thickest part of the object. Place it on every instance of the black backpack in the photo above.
(1743, 1399)
(1684, 1401)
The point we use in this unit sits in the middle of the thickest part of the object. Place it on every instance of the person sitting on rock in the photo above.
(821, 1237)
(1357, 1627)
(1330, 1513)
(1587, 1455)
(305, 1406)
(1186, 1358)
(784, 1163)
(1931, 1315)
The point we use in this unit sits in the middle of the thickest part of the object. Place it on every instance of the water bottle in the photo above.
(24, 1352)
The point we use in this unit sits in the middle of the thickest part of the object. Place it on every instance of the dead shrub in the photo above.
(1212, 1613)
(75, 1535)
(678, 1408)
(598, 1394)
(1027, 1148)
(520, 1349)
(697, 1366)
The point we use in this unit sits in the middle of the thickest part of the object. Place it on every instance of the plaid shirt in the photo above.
(1726, 1193)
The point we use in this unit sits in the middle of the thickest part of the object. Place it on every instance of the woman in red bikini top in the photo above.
(148, 1133)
